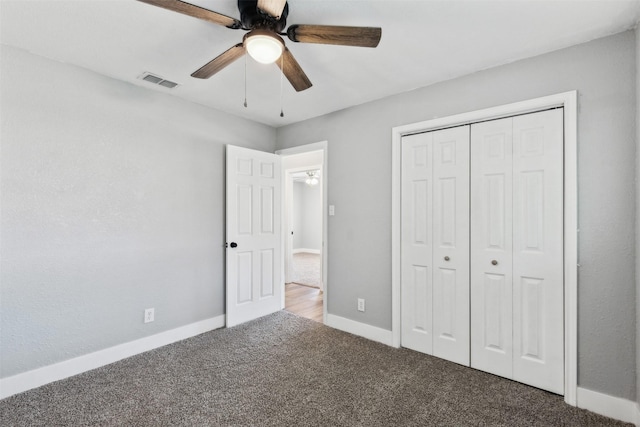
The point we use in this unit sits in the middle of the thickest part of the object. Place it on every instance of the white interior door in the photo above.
(253, 282)
(491, 247)
(435, 243)
(538, 308)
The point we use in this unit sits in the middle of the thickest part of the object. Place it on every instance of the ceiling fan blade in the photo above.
(330, 34)
(196, 12)
(272, 7)
(221, 61)
(293, 72)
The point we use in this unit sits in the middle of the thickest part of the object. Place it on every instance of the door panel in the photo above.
(267, 210)
(253, 224)
(451, 244)
(419, 291)
(532, 331)
(491, 247)
(417, 220)
(494, 288)
(435, 260)
(538, 250)
(245, 212)
(266, 279)
(244, 274)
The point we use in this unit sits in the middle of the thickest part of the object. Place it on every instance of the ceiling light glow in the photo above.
(264, 46)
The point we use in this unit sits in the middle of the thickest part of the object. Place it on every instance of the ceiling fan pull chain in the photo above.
(281, 78)
(245, 80)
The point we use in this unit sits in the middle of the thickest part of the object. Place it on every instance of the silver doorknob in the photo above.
(447, 258)
(494, 262)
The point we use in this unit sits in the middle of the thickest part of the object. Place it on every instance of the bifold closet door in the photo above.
(435, 243)
(538, 272)
(491, 247)
(517, 249)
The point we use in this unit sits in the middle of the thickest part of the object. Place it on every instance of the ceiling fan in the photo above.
(265, 20)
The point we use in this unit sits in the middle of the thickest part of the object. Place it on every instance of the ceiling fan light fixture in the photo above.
(264, 46)
(312, 178)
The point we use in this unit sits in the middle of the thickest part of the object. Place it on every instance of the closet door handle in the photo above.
(234, 245)
(494, 262)
(447, 258)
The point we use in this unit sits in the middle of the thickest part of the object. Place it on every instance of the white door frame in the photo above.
(316, 146)
(568, 100)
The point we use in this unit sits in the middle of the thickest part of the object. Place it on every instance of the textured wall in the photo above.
(603, 72)
(298, 228)
(312, 208)
(112, 201)
(637, 33)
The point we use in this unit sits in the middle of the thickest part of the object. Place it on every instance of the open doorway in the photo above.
(304, 230)
(303, 288)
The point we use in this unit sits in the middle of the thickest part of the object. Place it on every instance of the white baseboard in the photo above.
(609, 406)
(58, 371)
(310, 251)
(361, 329)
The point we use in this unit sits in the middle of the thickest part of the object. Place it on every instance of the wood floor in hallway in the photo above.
(304, 301)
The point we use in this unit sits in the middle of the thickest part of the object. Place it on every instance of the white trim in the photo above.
(324, 182)
(299, 149)
(568, 100)
(609, 406)
(364, 330)
(396, 230)
(309, 251)
(58, 371)
(571, 263)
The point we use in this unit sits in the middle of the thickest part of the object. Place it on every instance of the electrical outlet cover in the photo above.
(149, 315)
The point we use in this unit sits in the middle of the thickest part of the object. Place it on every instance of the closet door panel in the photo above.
(538, 250)
(417, 243)
(491, 247)
(451, 244)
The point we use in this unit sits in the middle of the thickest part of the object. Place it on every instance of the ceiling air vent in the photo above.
(152, 78)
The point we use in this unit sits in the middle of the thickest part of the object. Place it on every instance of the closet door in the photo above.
(491, 247)
(451, 244)
(417, 242)
(435, 243)
(517, 249)
(538, 250)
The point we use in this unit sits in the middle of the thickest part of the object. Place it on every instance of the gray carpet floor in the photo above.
(283, 370)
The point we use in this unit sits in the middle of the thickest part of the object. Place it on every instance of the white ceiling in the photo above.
(423, 42)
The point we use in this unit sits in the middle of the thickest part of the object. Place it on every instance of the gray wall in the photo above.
(603, 72)
(637, 32)
(307, 216)
(111, 202)
(298, 230)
